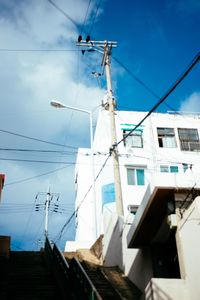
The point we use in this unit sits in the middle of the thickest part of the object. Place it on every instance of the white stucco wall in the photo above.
(150, 157)
(188, 233)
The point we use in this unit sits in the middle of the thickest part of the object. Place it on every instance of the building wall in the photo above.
(150, 157)
(85, 205)
(188, 239)
(137, 263)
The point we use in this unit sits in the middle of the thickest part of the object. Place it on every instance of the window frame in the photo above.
(137, 181)
(169, 169)
(185, 143)
(166, 135)
(135, 133)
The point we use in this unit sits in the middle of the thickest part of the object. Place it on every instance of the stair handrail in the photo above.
(62, 268)
(94, 293)
(59, 266)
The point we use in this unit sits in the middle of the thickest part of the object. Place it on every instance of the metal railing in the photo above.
(82, 279)
(72, 279)
(60, 268)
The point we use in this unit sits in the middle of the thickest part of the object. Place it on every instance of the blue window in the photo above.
(168, 169)
(108, 193)
(135, 176)
(174, 169)
(185, 167)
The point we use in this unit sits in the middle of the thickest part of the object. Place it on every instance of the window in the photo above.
(168, 169)
(166, 138)
(132, 208)
(189, 139)
(135, 176)
(173, 169)
(134, 140)
(164, 169)
(185, 167)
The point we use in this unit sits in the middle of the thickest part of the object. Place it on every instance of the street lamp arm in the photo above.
(57, 104)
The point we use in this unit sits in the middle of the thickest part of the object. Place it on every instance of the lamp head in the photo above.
(57, 104)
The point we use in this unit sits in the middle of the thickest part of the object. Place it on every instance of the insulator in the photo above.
(79, 38)
(87, 39)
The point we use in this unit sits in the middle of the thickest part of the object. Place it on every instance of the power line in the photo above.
(95, 15)
(141, 82)
(38, 161)
(16, 247)
(42, 161)
(37, 176)
(136, 78)
(63, 12)
(38, 50)
(86, 14)
(38, 151)
(36, 139)
(162, 99)
(59, 235)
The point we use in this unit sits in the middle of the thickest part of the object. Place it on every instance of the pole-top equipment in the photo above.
(105, 48)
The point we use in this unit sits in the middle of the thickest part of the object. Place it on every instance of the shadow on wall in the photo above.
(153, 291)
(112, 243)
(140, 269)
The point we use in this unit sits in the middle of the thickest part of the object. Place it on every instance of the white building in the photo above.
(160, 178)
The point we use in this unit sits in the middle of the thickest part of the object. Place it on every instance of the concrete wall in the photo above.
(167, 289)
(188, 239)
(150, 157)
(135, 263)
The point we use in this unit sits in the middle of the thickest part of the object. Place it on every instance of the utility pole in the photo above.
(47, 206)
(105, 48)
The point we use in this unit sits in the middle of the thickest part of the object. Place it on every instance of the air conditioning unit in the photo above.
(172, 221)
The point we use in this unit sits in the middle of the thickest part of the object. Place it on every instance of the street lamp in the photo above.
(58, 104)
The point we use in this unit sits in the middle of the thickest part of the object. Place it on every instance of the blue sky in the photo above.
(156, 41)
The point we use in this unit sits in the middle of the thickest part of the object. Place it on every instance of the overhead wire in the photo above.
(36, 139)
(38, 150)
(141, 82)
(59, 235)
(38, 50)
(95, 16)
(38, 161)
(35, 177)
(63, 12)
(162, 99)
(85, 18)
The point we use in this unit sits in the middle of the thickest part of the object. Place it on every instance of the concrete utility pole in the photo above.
(47, 206)
(105, 48)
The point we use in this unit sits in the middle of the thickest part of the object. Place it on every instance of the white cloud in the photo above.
(28, 81)
(191, 103)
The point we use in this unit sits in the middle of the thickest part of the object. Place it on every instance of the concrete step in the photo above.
(102, 285)
(29, 278)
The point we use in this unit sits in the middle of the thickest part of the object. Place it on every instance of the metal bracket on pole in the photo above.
(105, 48)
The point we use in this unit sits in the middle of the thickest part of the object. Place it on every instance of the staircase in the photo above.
(100, 282)
(29, 277)
(109, 282)
(49, 275)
